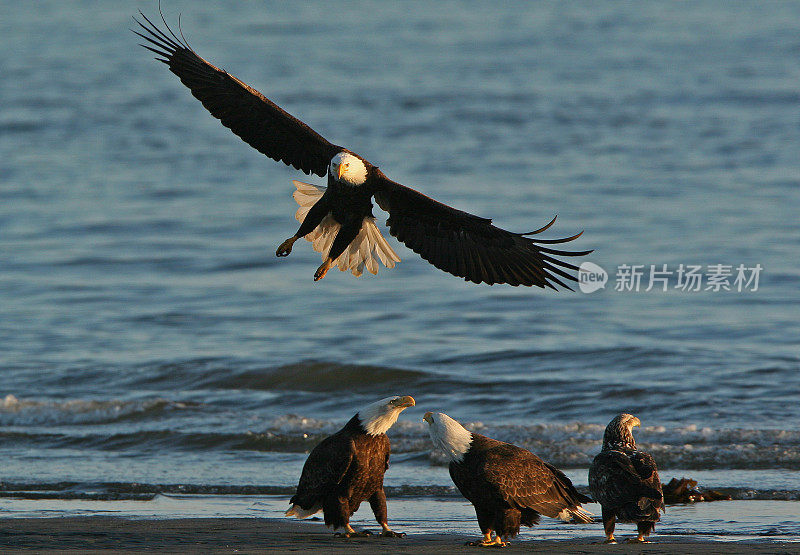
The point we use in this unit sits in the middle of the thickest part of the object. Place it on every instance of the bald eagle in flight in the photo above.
(507, 485)
(625, 480)
(338, 219)
(347, 468)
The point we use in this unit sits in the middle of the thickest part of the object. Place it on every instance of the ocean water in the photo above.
(157, 359)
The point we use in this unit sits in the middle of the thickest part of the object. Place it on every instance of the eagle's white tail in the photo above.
(364, 251)
(577, 514)
(300, 512)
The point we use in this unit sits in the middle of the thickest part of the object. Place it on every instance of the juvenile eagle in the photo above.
(338, 219)
(625, 480)
(347, 468)
(506, 484)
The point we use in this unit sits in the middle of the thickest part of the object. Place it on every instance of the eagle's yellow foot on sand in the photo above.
(353, 534)
(640, 539)
(488, 541)
(322, 270)
(389, 533)
(286, 247)
(392, 534)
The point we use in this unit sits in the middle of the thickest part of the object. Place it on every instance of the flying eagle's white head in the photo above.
(348, 169)
(376, 418)
(619, 432)
(448, 435)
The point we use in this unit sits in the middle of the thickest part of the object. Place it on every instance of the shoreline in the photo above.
(104, 534)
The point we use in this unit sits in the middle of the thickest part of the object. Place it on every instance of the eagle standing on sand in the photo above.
(347, 468)
(507, 485)
(338, 219)
(625, 480)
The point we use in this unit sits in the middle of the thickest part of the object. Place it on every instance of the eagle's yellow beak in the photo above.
(428, 418)
(404, 402)
(340, 171)
(635, 422)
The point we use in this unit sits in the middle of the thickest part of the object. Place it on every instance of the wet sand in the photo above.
(250, 535)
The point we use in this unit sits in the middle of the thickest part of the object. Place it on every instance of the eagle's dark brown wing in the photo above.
(618, 479)
(469, 246)
(324, 469)
(526, 481)
(258, 121)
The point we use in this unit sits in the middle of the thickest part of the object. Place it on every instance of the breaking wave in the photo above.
(29, 412)
(154, 424)
(574, 445)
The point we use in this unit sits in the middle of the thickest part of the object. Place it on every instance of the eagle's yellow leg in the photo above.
(610, 539)
(349, 532)
(488, 541)
(389, 533)
(322, 270)
(286, 247)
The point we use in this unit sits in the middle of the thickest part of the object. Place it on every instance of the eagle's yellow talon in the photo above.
(286, 247)
(392, 534)
(353, 534)
(322, 270)
(489, 541)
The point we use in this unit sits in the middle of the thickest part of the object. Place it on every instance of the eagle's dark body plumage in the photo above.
(348, 206)
(343, 471)
(457, 242)
(507, 485)
(347, 468)
(510, 486)
(625, 481)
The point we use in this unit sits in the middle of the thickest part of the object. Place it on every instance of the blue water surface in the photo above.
(143, 313)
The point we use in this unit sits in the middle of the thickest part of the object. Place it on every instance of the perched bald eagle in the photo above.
(507, 485)
(338, 219)
(625, 480)
(347, 468)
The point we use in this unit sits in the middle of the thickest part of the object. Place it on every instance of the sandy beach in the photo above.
(207, 535)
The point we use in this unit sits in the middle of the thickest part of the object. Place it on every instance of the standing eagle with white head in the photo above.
(347, 468)
(338, 219)
(507, 485)
(625, 480)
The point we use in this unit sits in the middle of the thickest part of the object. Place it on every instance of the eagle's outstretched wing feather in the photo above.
(469, 246)
(257, 120)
